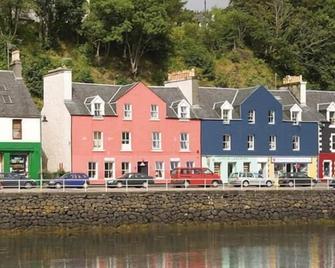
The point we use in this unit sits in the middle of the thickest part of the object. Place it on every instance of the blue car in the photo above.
(69, 180)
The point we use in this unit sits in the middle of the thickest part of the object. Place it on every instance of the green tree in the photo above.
(139, 27)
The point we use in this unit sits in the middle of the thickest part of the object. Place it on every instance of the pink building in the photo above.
(108, 130)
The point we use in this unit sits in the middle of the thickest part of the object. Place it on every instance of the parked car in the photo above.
(69, 180)
(246, 179)
(15, 180)
(131, 180)
(194, 176)
(296, 178)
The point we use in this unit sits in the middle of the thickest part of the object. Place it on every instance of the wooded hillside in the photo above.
(117, 41)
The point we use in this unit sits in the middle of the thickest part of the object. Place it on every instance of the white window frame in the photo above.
(226, 144)
(295, 143)
(127, 111)
(98, 142)
(295, 112)
(251, 117)
(92, 169)
(184, 142)
(183, 110)
(272, 143)
(271, 117)
(125, 141)
(156, 141)
(97, 109)
(332, 142)
(123, 170)
(110, 171)
(190, 164)
(251, 142)
(174, 164)
(159, 169)
(154, 112)
(332, 117)
(226, 112)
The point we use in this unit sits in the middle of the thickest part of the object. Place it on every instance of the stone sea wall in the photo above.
(22, 210)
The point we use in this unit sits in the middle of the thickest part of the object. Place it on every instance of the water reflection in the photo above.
(308, 246)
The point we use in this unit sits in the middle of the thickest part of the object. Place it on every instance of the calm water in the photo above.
(308, 246)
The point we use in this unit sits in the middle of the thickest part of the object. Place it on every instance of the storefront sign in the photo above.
(291, 159)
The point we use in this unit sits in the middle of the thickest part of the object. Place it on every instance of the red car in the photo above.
(195, 176)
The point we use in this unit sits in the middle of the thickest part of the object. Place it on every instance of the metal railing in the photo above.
(161, 185)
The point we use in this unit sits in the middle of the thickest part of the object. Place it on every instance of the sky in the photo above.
(199, 4)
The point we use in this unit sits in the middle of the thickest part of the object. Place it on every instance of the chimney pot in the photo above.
(16, 65)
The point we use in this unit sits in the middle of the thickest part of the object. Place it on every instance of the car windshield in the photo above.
(233, 175)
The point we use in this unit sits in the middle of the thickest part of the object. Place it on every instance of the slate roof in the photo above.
(210, 100)
(315, 97)
(83, 91)
(285, 97)
(111, 93)
(15, 99)
(172, 96)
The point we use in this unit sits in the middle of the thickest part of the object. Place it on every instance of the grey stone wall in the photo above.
(21, 210)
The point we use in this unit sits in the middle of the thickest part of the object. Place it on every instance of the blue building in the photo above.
(254, 129)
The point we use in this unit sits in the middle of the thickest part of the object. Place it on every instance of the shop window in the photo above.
(217, 168)
(246, 167)
(17, 129)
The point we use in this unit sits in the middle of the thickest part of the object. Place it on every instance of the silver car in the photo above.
(247, 178)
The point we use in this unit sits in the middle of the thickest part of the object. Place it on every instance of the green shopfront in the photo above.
(23, 158)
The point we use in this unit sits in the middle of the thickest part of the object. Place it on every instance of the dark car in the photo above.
(69, 180)
(131, 180)
(15, 180)
(292, 179)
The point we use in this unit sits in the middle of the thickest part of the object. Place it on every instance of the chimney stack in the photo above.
(186, 83)
(15, 64)
(297, 87)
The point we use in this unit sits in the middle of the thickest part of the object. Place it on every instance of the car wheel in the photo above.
(58, 185)
(186, 184)
(28, 185)
(290, 183)
(245, 184)
(268, 183)
(145, 184)
(215, 184)
(119, 184)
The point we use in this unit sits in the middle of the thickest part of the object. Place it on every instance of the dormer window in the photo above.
(331, 114)
(226, 112)
(183, 110)
(294, 117)
(97, 110)
(332, 118)
(96, 106)
(295, 114)
(251, 117)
